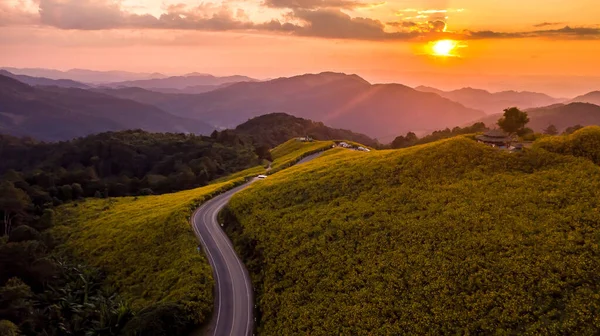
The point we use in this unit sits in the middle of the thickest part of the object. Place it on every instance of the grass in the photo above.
(451, 237)
(145, 245)
(292, 151)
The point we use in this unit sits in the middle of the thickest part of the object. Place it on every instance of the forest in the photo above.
(452, 237)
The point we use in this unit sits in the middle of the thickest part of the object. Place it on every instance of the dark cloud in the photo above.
(548, 24)
(313, 4)
(332, 23)
(317, 18)
(562, 33)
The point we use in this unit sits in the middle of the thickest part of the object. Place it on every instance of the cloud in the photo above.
(547, 24)
(562, 33)
(15, 14)
(315, 4)
(315, 18)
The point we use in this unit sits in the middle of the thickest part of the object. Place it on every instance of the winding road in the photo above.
(234, 295)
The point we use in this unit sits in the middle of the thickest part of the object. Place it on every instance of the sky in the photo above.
(550, 46)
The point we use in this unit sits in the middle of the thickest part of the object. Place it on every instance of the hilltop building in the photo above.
(496, 138)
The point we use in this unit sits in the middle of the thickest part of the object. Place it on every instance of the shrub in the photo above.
(23, 233)
(163, 319)
(8, 328)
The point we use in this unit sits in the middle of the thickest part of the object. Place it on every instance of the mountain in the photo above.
(592, 98)
(41, 81)
(188, 82)
(87, 76)
(493, 103)
(276, 128)
(339, 100)
(53, 113)
(559, 115)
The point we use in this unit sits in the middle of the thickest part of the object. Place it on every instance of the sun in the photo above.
(444, 48)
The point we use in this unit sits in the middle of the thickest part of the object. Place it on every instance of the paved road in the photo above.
(234, 295)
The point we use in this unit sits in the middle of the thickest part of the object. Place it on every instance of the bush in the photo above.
(23, 233)
(8, 328)
(583, 143)
(162, 319)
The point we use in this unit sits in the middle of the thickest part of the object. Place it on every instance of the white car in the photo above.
(262, 176)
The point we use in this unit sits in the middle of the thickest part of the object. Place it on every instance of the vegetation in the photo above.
(273, 129)
(583, 143)
(411, 138)
(149, 253)
(514, 121)
(292, 151)
(452, 237)
(121, 163)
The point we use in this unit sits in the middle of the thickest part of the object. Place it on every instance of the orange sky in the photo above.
(551, 46)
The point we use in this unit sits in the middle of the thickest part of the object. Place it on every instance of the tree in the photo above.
(405, 141)
(13, 202)
(572, 129)
(551, 130)
(513, 121)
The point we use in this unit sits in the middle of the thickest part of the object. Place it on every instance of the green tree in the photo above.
(13, 202)
(551, 130)
(572, 129)
(513, 121)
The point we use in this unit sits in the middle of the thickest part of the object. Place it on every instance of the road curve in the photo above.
(233, 295)
(234, 299)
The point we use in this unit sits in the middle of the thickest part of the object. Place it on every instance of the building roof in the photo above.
(496, 133)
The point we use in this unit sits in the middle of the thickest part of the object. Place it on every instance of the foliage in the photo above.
(122, 163)
(23, 233)
(583, 143)
(13, 202)
(292, 151)
(452, 237)
(551, 130)
(8, 328)
(160, 319)
(513, 121)
(572, 129)
(411, 138)
(147, 249)
(273, 129)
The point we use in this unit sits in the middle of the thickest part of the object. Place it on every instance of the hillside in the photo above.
(591, 98)
(340, 101)
(492, 103)
(53, 113)
(276, 128)
(561, 116)
(452, 237)
(148, 251)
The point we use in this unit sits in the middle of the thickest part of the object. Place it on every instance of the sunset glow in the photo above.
(382, 41)
(444, 48)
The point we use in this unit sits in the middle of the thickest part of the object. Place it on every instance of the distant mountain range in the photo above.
(86, 76)
(41, 81)
(492, 103)
(339, 100)
(559, 115)
(193, 83)
(592, 98)
(55, 113)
